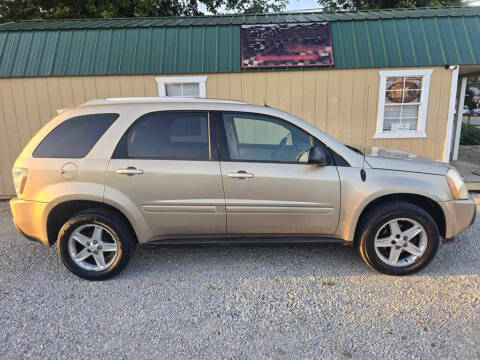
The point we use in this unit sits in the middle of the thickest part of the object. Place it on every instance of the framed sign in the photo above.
(286, 45)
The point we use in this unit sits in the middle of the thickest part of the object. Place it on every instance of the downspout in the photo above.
(451, 112)
(458, 129)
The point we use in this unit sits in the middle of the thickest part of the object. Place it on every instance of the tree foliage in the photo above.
(12, 10)
(383, 4)
(470, 135)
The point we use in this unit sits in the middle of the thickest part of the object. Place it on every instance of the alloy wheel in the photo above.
(93, 247)
(401, 242)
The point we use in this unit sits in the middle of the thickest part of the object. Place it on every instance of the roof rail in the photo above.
(166, 99)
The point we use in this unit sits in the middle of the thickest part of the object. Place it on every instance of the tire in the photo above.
(380, 221)
(117, 240)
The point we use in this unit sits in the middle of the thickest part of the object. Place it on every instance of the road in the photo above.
(282, 302)
(474, 120)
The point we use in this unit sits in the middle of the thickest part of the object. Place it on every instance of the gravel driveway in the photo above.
(240, 303)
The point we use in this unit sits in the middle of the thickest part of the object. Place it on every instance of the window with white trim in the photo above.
(182, 86)
(402, 106)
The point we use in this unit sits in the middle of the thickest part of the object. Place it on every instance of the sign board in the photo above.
(286, 45)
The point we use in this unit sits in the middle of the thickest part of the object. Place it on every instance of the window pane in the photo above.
(402, 126)
(388, 124)
(410, 111)
(395, 83)
(262, 138)
(191, 90)
(413, 86)
(174, 89)
(392, 111)
(410, 124)
(172, 135)
(75, 137)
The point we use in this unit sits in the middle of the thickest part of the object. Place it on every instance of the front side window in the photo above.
(167, 135)
(403, 100)
(75, 137)
(254, 137)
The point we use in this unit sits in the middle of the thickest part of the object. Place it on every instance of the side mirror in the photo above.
(317, 156)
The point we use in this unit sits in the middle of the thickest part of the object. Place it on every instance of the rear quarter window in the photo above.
(75, 137)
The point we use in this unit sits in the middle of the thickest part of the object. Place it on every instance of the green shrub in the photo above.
(470, 135)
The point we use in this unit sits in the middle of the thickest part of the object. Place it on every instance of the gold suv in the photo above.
(110, 174)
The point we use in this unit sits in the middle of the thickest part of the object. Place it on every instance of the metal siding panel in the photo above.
(448, 42)
(362, 44)
(224, 50)
(468, 44)
(60, 67)
(473, 28)
(116, 52)
(8, 58)
(156, 51)
(74, 53)
(437, 56)
(197, 50)
(405, 43)
(463, 43)
(100, 63)
(142, 51)
(128, 53)
(170, 50)
(89, 52)
(183, 49)
(350, 56)
(3, 42)
(211, 49)
(377, 43)
(48, 55)
(391, 43)
(338, 47)
(35, 56)
(21, 53)
(235, 58)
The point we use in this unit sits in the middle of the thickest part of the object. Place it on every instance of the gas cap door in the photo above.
(69, 171)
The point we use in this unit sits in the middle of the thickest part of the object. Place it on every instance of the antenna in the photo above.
(363, 174)
(265, 103)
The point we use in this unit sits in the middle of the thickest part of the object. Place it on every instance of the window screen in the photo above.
(75, 137)
(167, 135)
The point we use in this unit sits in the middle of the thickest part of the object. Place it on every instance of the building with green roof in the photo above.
(377, 78)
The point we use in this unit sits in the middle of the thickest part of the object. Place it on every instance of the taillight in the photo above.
(20, 177)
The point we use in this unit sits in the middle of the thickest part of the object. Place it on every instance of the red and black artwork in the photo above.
(286, 45)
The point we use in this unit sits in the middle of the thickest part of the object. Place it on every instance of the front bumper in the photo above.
(459, 215)
(30, 218)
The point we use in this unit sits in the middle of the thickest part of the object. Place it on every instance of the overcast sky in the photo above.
(295, 5)
(302, 4)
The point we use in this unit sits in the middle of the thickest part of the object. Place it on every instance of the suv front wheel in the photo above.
(398, 238)
(95, 244)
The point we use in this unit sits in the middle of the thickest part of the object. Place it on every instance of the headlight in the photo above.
(455, 181)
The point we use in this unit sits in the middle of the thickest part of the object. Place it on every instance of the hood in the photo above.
(381, 158)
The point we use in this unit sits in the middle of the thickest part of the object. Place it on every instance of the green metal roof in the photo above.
(76, 24)
(374, 38)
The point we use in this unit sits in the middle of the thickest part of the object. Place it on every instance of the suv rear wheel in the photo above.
(398, 238)
(95, 244)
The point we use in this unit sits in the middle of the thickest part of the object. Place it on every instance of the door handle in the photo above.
(129, 171)
(242, 174)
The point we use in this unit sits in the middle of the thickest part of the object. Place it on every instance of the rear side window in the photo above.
(75, 137)
(167, 135)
